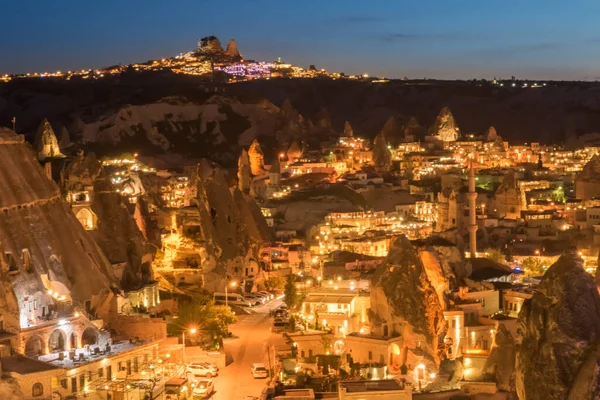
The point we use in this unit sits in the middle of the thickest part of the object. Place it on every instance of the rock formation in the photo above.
(244, 172)
(230, 240)
(288, 111)
(139, 219)
(65, 139)
(500, 365)
(499, 144)
(323, 120)
(232, 50)
(445, 127)
(490, 134)
(46, 144)
(348, 132)
(392, 130)
(404, 300)
(44, 245)
(412, 130)
(382, 158)
(587, 182)
(507, 199)
(558, 343)
(117, 232)
(210, 44)
(294, 152)
(257, 158)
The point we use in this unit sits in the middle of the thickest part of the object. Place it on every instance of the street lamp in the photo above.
(233, 284)
(192, 332)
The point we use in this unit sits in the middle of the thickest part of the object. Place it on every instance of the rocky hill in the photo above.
(161, 112)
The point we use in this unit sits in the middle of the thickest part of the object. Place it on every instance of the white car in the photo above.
(202, 369)
(259, 370)
(270, 296)
(203, 388)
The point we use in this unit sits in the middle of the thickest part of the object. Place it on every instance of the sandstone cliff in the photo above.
(500, 365)
(117, 232)
(231, 229)
(559, 335)
(44, 245)
(403, 297)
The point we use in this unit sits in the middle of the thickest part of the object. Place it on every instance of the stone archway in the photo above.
(57, 340)
(35, 346)
(89, 336)
(395, 358)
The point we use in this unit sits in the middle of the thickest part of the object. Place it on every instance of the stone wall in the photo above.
(139, 327)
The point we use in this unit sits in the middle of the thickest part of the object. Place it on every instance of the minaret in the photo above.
(472, 196)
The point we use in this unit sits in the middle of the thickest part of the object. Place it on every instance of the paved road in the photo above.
(252, 331)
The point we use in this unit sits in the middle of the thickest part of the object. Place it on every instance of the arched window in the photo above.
(37, 389)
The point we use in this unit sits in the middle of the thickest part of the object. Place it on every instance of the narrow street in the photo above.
(251, 333)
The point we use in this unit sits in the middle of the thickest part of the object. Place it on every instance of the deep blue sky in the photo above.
(544, 39)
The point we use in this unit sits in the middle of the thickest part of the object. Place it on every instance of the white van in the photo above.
(233, 299)
(259, 370)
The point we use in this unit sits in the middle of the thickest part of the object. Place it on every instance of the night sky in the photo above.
(543, 39)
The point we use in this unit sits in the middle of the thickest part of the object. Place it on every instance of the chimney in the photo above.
(472, 196)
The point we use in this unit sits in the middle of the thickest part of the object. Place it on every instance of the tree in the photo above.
(274, 283)
(325, 342)
(203, 315)
(495, 255)
(558, 195)
(532, 266)
(291, 292)
(292, 323)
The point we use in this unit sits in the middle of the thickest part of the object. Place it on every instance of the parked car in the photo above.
(264, 297)
(202, 369)
(279, 326)
(231, 299)
(281, 314)
(254, 300)
(270, 296)
(259, 370)
(204, 388)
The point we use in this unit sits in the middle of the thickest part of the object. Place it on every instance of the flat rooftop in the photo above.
(24, 365)
(330, 298)
(88, 357)
(371, 386)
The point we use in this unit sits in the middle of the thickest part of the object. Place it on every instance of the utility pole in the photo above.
(269, 356)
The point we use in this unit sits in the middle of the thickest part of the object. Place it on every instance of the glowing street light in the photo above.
(233, 284)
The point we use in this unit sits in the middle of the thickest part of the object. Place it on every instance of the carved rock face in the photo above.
(403, 294)
(559, 334)
(445, 127)
(46, 143)
(231, 223)
(48, 246)
(257, 158)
